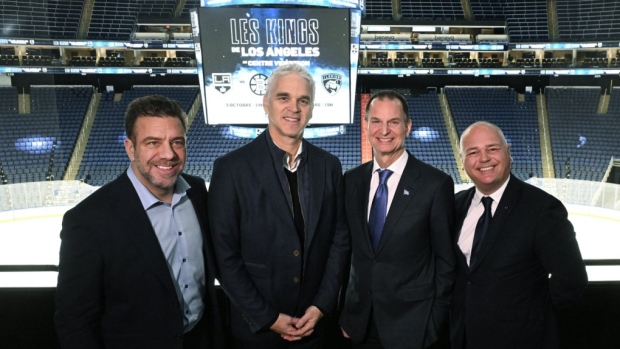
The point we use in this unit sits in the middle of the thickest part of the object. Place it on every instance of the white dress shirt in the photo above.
(286, 158)
(476, 209)
(397, 168)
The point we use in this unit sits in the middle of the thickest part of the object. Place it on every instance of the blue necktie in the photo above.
(378, 210)
(481, 228)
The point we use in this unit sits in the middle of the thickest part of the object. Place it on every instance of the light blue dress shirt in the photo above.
(180, 238)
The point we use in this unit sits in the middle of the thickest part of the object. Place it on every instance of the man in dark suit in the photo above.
(517, 258)
(402, 272)
(280, 239)
(137, 266)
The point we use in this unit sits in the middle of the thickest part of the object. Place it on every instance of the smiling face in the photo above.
(289, 108)
(486, 157)
(157, 153)
(387, 130)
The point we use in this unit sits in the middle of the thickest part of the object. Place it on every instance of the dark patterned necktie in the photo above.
(482, 227)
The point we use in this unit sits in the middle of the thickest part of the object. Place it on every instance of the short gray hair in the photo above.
(291, 68)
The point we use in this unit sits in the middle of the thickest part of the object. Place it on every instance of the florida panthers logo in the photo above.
(332, 83)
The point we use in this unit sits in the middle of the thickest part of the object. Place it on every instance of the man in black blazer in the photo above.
(400, 284)
(137, 266)
(526, 264)
(280, 239)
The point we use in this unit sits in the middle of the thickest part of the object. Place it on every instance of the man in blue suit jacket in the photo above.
(280, 238)
(526, 265)
(137, 267)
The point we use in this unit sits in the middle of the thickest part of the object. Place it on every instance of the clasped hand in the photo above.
(293, 329)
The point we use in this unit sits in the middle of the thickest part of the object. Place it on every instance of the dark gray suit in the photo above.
(264, 271)
(507, 299)
(114, 288)
(408, 283)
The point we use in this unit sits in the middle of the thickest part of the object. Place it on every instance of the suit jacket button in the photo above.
(296, 253)
(295, 279)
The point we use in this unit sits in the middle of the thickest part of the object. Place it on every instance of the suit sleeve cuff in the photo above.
(270, 323)
(321, 309)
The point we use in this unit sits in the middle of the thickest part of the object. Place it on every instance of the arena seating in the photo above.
(465, 63)
(115, 19)
(378, 9)
(36, 60)
(490, 63)
(189, 4)
(111, 62)
(58, 19)
(438, 9)
(556, 62)
(432, 63)
(206, 143)
(9, 59)
(583, 140)
(83, 61)
(70, 105)
(526, 63)
(37, 146)
(152, 61)
(8, 107)
(500, 105)
(594, 62)
(8, 99)
(588, 20)
(526, 19)
(429, 139)
(346, 146)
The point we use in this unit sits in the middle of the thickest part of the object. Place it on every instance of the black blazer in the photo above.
(507, 299)
(408, 282)
(256, 242)
(114, 288)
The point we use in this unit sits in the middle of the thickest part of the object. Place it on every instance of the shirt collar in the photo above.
(286, 158)
(496, 195)
(281, 154)
(146, 197)
(397, 166)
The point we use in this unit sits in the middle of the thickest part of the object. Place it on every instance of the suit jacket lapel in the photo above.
(198, 208)
(504, 207)
(461, 210)
(141, 231)
(462, 206)
(262, 163)
(316, 173)
(360, 201)
(404, 194)
(201, 209)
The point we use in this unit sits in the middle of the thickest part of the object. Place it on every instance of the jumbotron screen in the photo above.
(238, 48)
